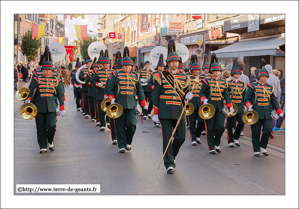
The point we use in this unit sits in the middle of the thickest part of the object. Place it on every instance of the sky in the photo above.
(70, 31)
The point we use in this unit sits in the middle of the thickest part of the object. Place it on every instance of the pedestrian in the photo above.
(25, 73)
(281, 119)
(227, 75)
(265, 99)
(219, 89)
(130, 86)
(168, 106)
(281, 74)
(253, 76)
(49, 89)
(274, 81)
(276, 73)
(16, 77)
(237, 90)
(243, 77)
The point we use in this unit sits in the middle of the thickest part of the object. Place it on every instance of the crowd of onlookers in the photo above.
(22, 72)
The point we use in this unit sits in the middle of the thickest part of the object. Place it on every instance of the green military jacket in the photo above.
(265, 99)
(166, 101)
(130, 88)
(237, 92)
(75, 82)
(218, 91)
(100, 76)
(82, 77)
(48, 90)
(196, 97)
(151, 81)
(146, 75)
(90, 86)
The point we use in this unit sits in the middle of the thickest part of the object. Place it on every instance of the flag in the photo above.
(61, 40)
(79, 16)
(57, 39)
(81, 31)
(65, 16)
(41, 30)
(35, 31)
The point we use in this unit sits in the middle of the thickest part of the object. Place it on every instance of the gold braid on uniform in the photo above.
(217, 88)
(48, 83)
(157, 78)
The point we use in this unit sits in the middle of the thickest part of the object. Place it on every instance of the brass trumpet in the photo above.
(250, 117)
(189, 109)
(206, 111)
(104, 104)
(114, 110)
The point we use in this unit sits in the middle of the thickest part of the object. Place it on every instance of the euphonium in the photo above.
(28, 111)
(227, 112)
(114, 110)
(206, 111)
(189, 109)
(22, 93)
(250, 117)
(104, 104)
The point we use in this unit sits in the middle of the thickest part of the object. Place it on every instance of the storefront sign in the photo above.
(222, 41)
(271, 18)
(196, 39)
(253, 23)
(112, 35)
(216, 32)
(174, 27)
(236, 23)
(199, 24)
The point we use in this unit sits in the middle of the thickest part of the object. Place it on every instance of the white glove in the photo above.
(112, 101)
(71, 87)
(77, 86)
(189, 96)
(145, 107)
(250, 108)
(62, 112)
(28, 101)
(100, 84)
(231, 109)
(205, 101)
(281, 115)
(106, 97)
(81, 87)
(143, 80)
(156, 119)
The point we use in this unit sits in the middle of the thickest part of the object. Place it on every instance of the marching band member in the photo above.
(100, 63)
(265, 100)
(129, 83)
(90, 94)
(160, 68)
(82, 77)
(48, 89)
(238, 89)
(145, 74)
(168, 105)
(99, 80)
(77, 89)
(218, 86)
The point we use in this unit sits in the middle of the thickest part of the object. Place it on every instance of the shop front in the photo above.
(145, 46)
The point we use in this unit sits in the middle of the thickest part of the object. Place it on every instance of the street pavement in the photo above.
(84, 155)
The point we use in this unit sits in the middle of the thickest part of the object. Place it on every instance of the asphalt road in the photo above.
(84, 155)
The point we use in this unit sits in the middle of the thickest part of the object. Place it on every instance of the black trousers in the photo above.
(215, 126)
(85, 102)
(195, 130)
(256, 132)
(46, 128)
(91, 107)
(78, 98)
(179, 138)
(230, 125)
(101, 114)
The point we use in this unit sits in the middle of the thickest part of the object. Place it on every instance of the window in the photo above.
(135, 34)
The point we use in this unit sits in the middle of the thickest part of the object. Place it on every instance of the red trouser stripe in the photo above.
(110, 128)
(189, 128)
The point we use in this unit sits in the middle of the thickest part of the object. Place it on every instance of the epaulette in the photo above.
(157, 77)
(249, 85)
(205, 81)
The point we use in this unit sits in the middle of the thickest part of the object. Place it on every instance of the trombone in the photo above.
(28, 111)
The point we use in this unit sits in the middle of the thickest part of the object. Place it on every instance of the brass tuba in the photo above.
(22, 93)
(105, 104)
(114, 110)
(189, 109)
(206, 111)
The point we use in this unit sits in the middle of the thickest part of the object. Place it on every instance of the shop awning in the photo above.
(251, 47)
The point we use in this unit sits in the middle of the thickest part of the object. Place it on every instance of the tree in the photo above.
(84, 48)
(29, 46)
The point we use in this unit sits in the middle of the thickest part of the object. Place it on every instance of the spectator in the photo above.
(16, 77)
(243, 77)
(281, 119)
(25, 73)
(253, 76)
(226, 75)
(276, 73)
(281, 74)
